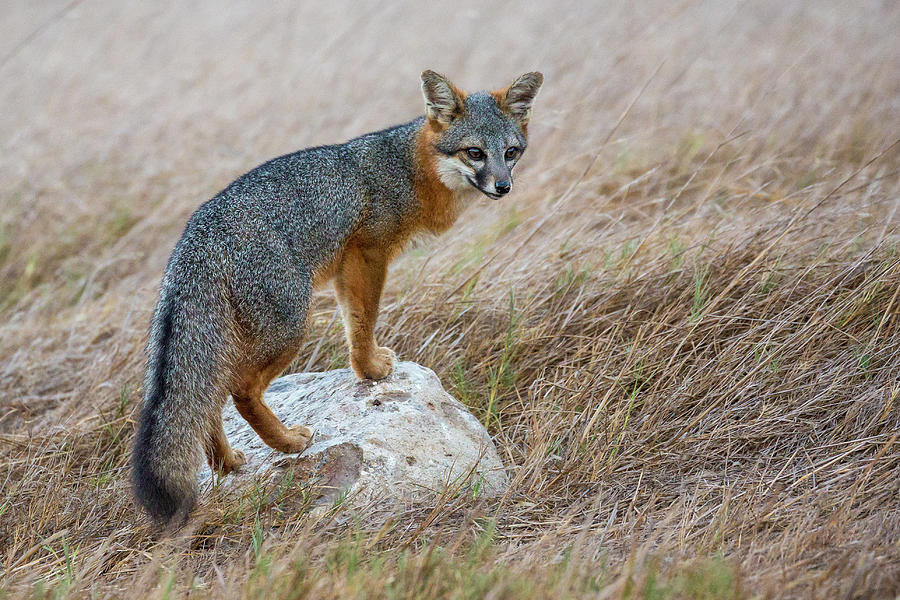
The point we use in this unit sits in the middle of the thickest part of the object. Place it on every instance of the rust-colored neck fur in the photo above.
(438, 208)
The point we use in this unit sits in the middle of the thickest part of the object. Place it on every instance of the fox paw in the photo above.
(297, 439)
(377, 365)
(238, 459)
(227, 465)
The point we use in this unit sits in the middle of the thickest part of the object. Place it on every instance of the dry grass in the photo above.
(682, 330)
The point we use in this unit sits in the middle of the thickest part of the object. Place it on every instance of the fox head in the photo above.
(479, 137)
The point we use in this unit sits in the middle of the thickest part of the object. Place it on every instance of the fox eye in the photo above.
(511, 153)
(475, 153)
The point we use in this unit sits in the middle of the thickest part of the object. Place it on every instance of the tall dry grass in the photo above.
(682, 329)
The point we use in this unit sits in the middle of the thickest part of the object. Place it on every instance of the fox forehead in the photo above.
(482, 122)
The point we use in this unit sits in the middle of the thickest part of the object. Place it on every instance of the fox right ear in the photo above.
(518, 98)
(443, 102)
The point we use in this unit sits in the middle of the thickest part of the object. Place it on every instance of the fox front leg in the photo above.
(358, 283)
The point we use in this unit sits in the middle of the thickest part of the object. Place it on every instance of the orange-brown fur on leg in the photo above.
(248, 399)
(358, 284)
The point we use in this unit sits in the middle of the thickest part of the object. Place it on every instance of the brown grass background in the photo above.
(681, 328)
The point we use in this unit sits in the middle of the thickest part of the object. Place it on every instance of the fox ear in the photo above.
(518, 98)
(443, 102)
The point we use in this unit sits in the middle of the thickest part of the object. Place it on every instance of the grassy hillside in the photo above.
(682, 328)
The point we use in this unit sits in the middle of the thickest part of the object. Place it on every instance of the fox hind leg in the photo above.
(248, 399)
(271, 299)
(220, 456)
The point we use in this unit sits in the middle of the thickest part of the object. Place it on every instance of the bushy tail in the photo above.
(180, 394)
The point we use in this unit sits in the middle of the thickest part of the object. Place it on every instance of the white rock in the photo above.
(402, 438)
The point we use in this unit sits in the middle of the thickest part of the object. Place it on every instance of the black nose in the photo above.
(502, 187)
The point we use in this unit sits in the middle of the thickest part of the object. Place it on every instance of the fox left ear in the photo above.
(518, 98)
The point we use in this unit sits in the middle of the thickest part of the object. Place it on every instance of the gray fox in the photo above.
(235, 294)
